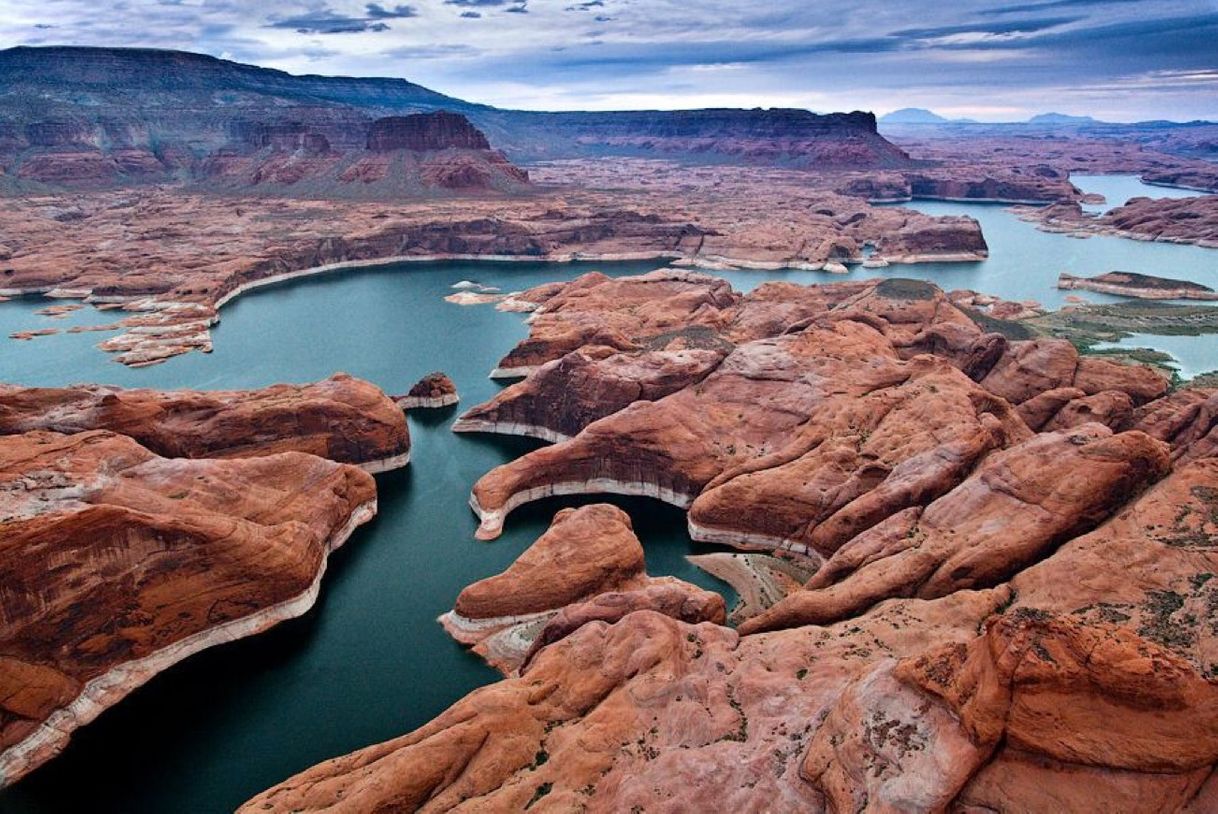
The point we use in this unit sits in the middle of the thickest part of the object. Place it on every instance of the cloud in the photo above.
(1142, 58)
(327, 21)
(378, 12)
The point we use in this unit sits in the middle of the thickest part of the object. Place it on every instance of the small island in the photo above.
(1141, 286)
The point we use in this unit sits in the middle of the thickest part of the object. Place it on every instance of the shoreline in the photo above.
(108, 689)
(752, 541)
(426, 403)
(490, 524)
(156, 351)
(509, 428)
(380, 465)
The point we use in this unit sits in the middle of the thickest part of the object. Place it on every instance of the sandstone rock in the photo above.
(587, 566)
(117, 563)
(1019, 505)
(608, 716)
(560, 398)
(1112, 408)
(432, 391)
(1187, 419)
(674, 447)
(627, 313)
(1032, 367)
(858, 459)
(342, 418)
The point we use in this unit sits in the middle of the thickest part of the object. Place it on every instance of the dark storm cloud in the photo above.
(378, 12)
(326, 21)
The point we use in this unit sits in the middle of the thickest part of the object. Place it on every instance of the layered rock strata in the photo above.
(117, 563)
(341, 418)
(588, 566)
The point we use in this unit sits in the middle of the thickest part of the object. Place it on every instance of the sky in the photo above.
(1118, 60)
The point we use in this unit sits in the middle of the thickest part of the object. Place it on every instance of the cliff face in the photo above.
(425, 131)
(90, 116)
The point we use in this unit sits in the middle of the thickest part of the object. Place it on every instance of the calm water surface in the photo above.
(369, 662)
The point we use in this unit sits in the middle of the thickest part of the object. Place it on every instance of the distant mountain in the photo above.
(919, 115)
(137, 115)
(912, 115)
(1058, 119)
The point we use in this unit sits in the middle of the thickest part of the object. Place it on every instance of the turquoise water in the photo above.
(369, 662)
(1118, 189)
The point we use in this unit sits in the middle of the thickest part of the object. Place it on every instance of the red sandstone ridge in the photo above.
(342, 418)
(965, 640)
(587, 566)
(811, 413)
(117, 563)
(1074, 686)
(432, 391)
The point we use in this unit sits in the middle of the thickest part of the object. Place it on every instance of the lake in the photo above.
(369, 662)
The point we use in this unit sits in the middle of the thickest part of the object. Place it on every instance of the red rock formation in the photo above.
(344, 419)
(858, 460)
(968, 649)
(783, 422)
(440, 130)
(1055, 485)
(1095, 676)
(1187, 419)
(560, 398)
(587, 566)
(117, 563)
(432, 391)
(624, 313)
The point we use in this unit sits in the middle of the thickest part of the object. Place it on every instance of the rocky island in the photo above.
(1139, 286)
(433, 391)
